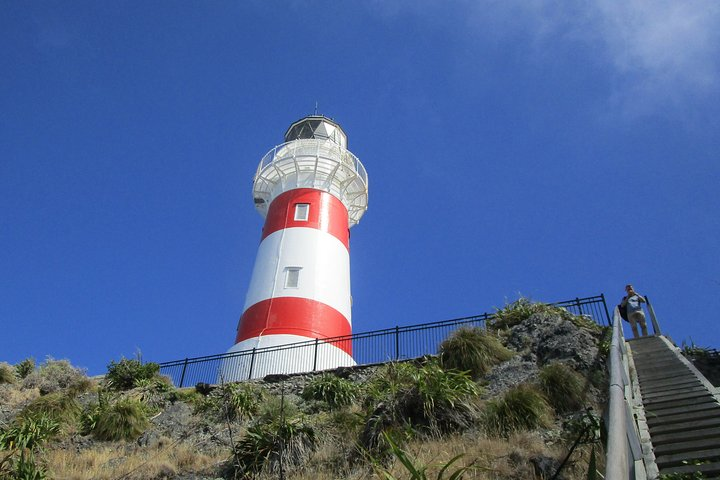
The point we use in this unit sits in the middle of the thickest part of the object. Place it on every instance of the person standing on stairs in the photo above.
(633, 301)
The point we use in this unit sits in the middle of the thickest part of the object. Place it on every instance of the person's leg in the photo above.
(633, 325)
(642, 322)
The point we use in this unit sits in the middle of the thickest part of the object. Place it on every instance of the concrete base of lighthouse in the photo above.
(280, 354)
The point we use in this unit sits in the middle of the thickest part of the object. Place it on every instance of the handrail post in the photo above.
(579, 305)
(252, 363)
(653, 319)
(182, 375)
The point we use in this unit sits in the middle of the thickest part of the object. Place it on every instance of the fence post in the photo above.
(607, 313)
(397, 343)
(252, 363)
(317, 340)
(182, 375)
(656, 327)
(579, 305)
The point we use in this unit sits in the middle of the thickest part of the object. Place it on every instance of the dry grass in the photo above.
(492, 458)
(13, 398)
(163, 460)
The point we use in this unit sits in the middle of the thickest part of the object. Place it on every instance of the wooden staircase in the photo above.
(683, 415)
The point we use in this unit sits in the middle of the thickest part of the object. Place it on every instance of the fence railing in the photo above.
(378, 346)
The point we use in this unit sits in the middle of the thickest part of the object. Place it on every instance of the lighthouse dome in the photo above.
(318, 127)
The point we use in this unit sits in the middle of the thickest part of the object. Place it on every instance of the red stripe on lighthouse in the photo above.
(294, 316)
(327, 213)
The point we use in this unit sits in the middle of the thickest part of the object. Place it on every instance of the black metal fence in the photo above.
(378, 346)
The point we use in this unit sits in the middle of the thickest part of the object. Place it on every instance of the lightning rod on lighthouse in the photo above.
(311, 190)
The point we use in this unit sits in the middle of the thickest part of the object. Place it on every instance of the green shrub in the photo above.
(266, 445)
(54, 375)
(154, 392)
(125, 374)
(125, 419)
(331, 389)
(7, 373)
(563, 387)
(520, 408)
(474, 350)
(26, 367)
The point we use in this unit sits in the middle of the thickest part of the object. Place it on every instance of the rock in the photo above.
(550, 337)
(509, 374)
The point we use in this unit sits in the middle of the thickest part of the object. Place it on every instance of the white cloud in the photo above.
(658, 54)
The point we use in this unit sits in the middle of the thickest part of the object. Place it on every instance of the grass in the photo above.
(474, 350)
(26, 367)
(522, 309)
(336, 392)
(520, 408)
(563, 387)
(62, 407)
(124, 419)
(420, 399)
(266, 446)
(7, 373)
(164, 460)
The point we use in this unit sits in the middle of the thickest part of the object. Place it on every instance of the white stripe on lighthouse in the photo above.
(324, 264)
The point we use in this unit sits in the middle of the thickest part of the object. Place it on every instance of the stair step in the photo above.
(706, 469)
(685, 436)
(688, 397)
(678, 391)
(678, 418)
(670, 385)
(665, 376)
(689, 426)
(660, 362)
(696, 407)
(678, 458)
(687, 446)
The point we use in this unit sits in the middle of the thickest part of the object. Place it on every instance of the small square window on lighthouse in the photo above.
(292, 277)
(302, 210)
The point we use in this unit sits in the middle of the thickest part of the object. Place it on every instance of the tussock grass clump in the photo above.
(232, 401)
(62, 407)
(425, 399)
(125, 419)
(7, 373)
(54, 375)
(522, 309)
(128, 373)
(563, 387)
(266, 445)
(331, 389)
(520, 408)
(474, 350)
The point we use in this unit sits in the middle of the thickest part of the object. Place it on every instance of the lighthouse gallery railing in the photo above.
(378, 346)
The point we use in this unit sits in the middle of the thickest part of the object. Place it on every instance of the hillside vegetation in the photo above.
(508, 402)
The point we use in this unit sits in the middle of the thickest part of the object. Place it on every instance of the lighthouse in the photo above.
(311, 190)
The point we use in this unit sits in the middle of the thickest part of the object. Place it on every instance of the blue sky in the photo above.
(552, 150)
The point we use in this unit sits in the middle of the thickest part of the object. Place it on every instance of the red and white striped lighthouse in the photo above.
(310, 190)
